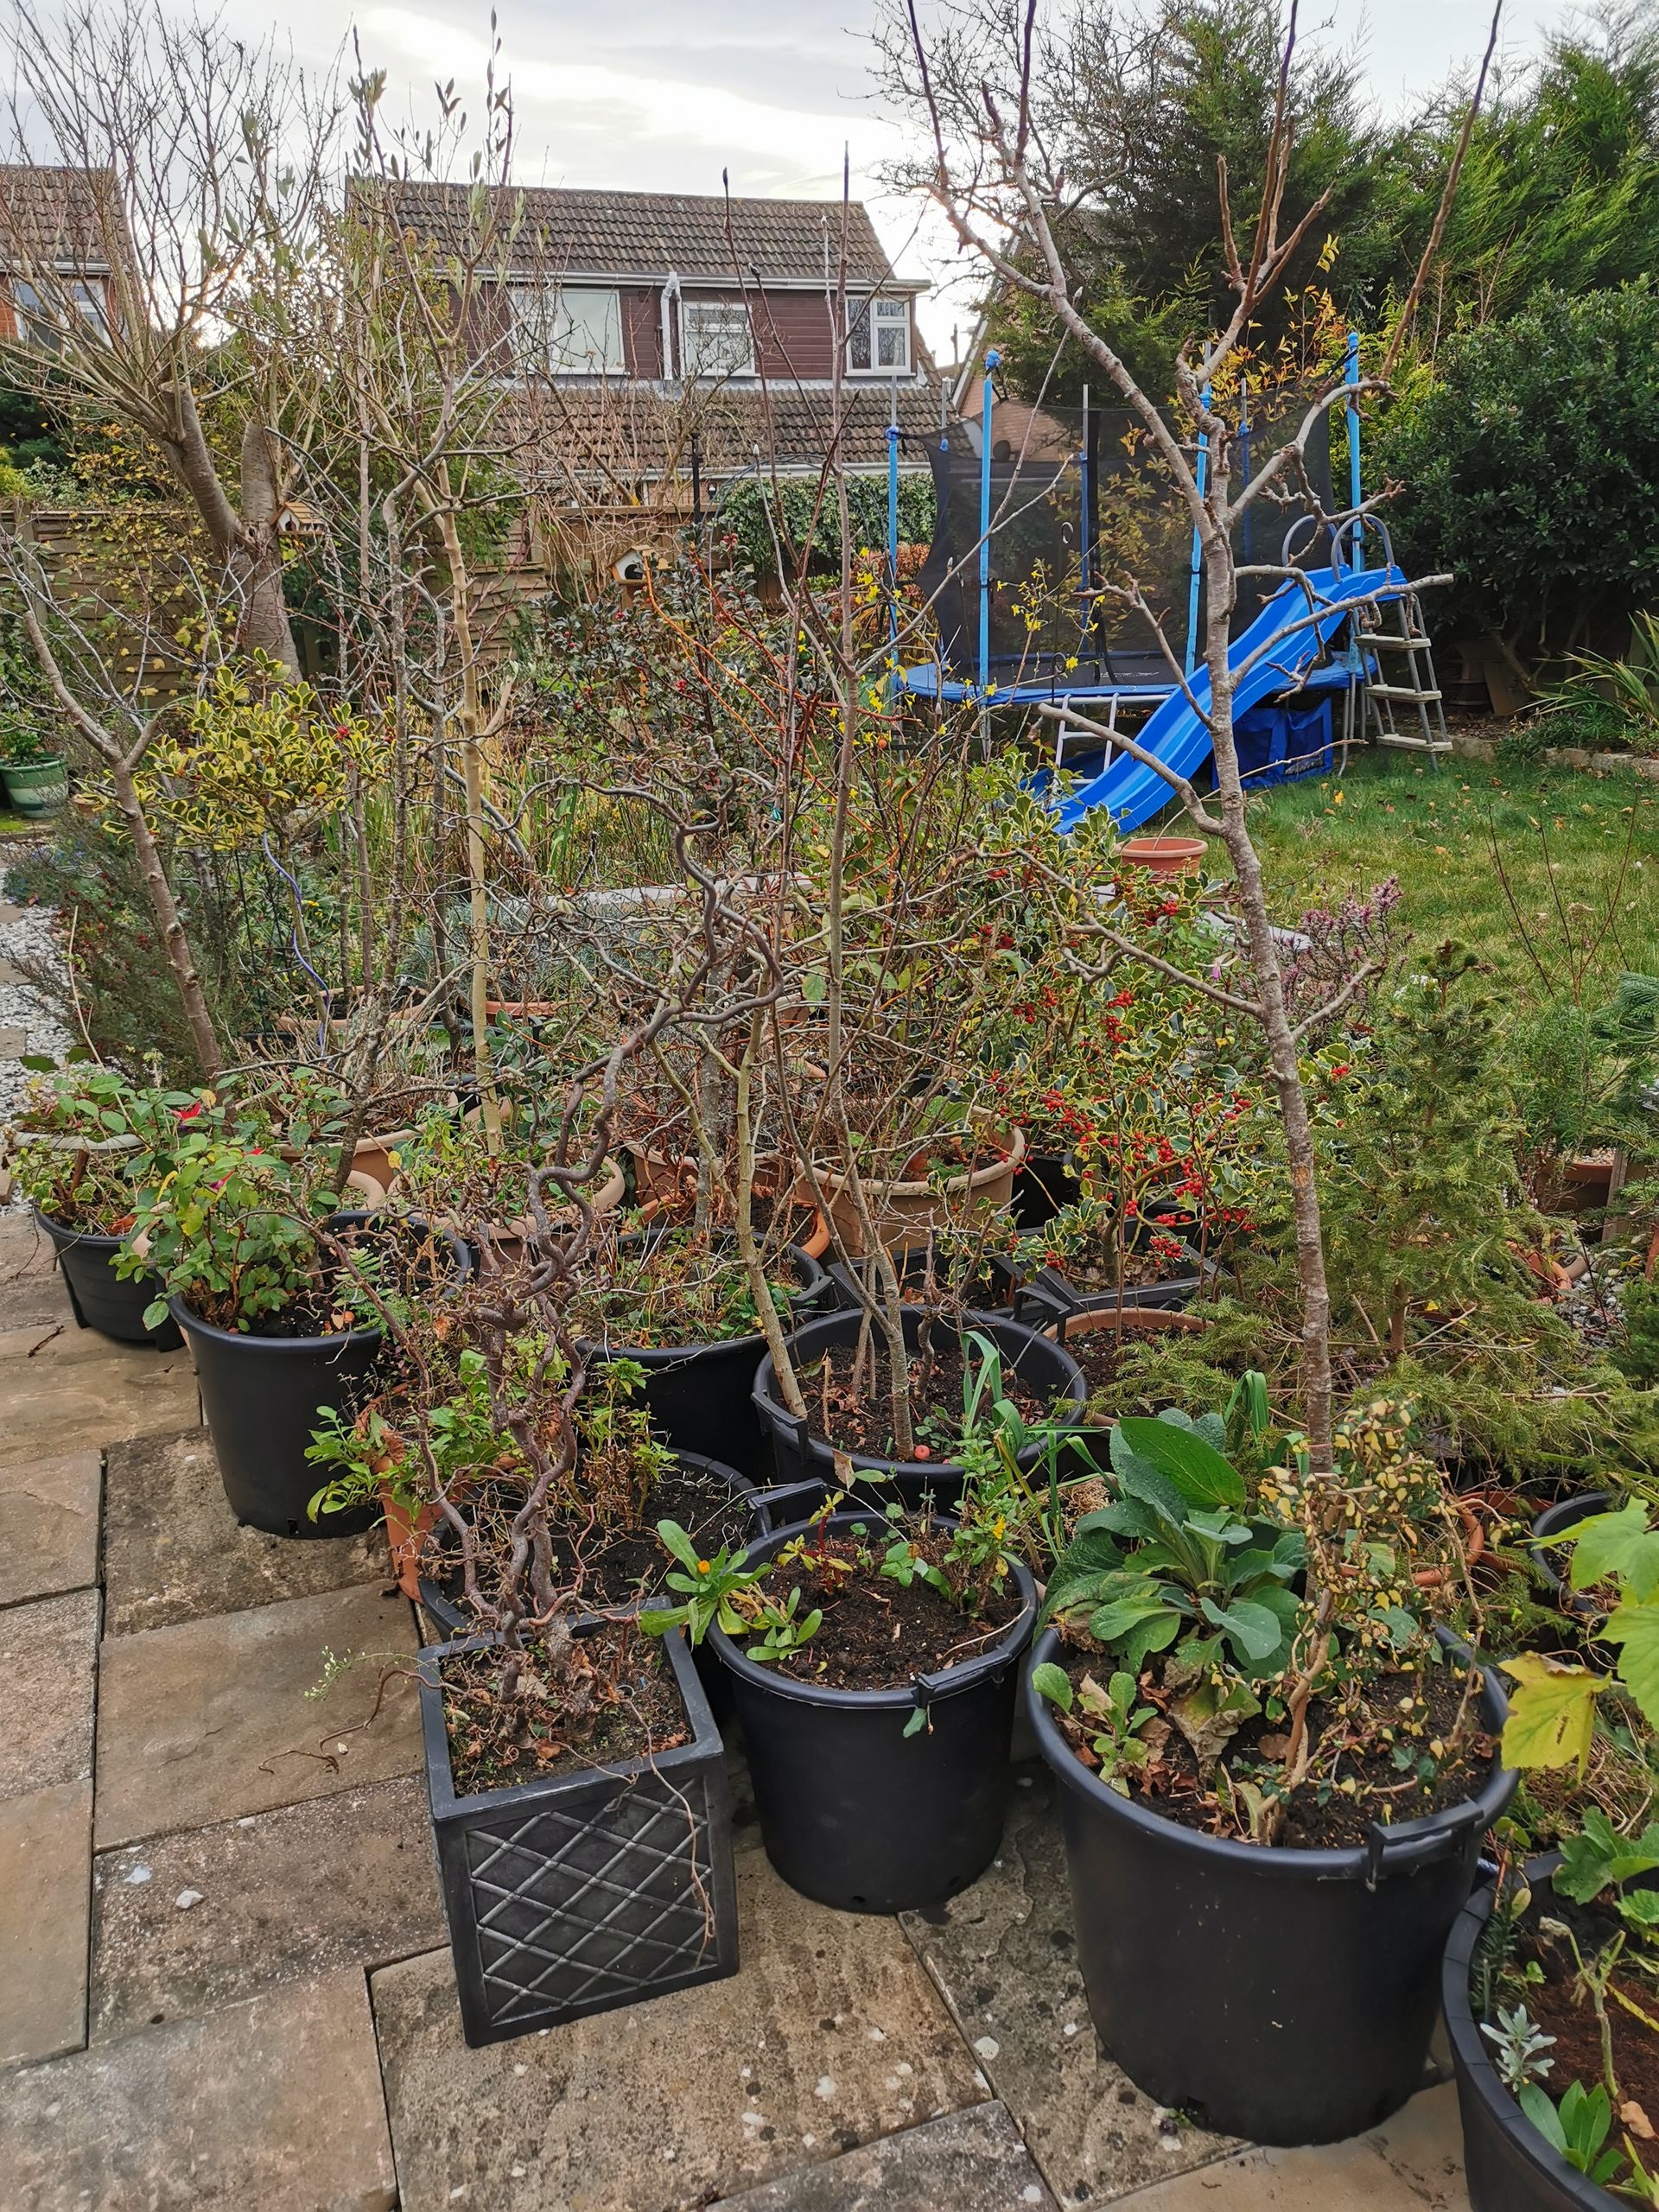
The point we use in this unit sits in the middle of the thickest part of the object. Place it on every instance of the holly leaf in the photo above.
(1617, 1546)
(1552, 1714)
(1183, 1457)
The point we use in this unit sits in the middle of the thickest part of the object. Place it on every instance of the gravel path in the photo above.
(25, 1024)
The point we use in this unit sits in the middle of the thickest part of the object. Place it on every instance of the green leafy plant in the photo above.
(709, 1588)
(1577, 2127)
(1518, 2047)
(1119, 1731)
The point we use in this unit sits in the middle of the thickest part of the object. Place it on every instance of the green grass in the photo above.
(1581, 853)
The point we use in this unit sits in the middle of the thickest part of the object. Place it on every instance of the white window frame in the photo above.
(539, 342)
(692, 309)
(38, 319)
(883, 315)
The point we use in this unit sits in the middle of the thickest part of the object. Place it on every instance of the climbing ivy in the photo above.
(752, 511)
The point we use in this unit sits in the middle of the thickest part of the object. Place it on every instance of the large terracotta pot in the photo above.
(1164, 855)
(904, 1212)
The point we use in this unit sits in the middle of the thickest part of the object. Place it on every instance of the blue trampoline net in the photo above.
(1090, 545)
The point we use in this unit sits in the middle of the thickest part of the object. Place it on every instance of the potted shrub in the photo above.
(873, 1663)
(35, 773)
(284, 1303)
(1273, 1777)
(849, 1430)
(1548, 1993)
(682, 1308)
(85, 1150)
(579, 1806)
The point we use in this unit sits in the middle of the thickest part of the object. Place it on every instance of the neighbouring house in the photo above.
(63, 235)
(770, 331)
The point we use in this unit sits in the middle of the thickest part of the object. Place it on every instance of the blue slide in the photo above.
(1133, 792)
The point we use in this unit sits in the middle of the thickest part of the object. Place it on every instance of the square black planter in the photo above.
(587, 1890)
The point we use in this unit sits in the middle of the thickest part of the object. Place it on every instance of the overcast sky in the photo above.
(662, 94)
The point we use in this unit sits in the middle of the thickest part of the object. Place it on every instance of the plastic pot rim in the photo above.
(1473, 2054)
(649, 1356)
(61, 1233)
(705, 1736)
(1541, 1541)
(1274, 1862)
(967, 1675)
(773, 1413)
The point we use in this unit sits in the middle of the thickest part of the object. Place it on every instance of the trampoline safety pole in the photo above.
(1352, 380)
(892, 530)
(993, 361)
(1196, 564)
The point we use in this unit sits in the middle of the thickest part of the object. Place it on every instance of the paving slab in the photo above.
(209, 1720)
(1413, 2164)
(829, 2037)
(48, 1525)
(970, 2161)
(49, 1655)
(31, 1288)
(174, 1550)
(45, 1856)
(66, 1389)
(1005, 1956)
(274, 2105)
(345, 1881)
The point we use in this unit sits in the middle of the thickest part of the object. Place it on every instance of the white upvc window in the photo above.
(43, 312)
(878, 339)
(568, 330)
(716, 339)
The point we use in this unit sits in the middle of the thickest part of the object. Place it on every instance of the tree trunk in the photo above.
(160, 892)
(265, 626)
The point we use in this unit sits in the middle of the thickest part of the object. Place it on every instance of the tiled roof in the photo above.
(628, 433)
(68, 215)
(662, 233)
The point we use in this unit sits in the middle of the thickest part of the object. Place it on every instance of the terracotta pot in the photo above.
(903, 1212)
(373, 1156)
(405, 1539)
(1164, 855)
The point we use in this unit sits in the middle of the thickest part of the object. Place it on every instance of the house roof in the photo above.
(652, 235)
(629, 434)
(59, 215)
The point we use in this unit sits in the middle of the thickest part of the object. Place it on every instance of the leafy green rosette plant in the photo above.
(1214, 1602)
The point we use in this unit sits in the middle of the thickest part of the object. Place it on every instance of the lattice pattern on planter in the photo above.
(589, 1904)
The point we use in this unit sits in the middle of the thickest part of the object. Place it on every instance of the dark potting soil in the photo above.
(1322, 1815)
(1561, 2010)
(861, 1420)
(606, 1698)
(877, 1634)
(612, 1566)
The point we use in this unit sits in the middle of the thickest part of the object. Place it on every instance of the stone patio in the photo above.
(226, 1978)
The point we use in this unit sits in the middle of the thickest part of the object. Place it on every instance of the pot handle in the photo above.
(1412, 1843)
(787, 1496)
(1044, 1301)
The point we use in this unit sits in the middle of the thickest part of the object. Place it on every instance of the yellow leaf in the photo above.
(1552, 1714)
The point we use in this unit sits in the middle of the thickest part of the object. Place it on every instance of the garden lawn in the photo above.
(1581, 853)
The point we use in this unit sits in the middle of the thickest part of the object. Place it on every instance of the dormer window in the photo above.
(878, 341)
(715, 339)
(568, 330)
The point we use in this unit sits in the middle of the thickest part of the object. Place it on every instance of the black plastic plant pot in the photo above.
(995, 1287)
(584, 1891)
(1043, 1183)
(260, 1396)
(449, 1614)
(699, 1395)
(101, 1299)
(1284, 1995)
(799, 1457)
(854, 1812)
(1508, 2166)
(1553, 1525)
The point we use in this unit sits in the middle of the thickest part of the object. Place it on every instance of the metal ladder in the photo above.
(1412, 663)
